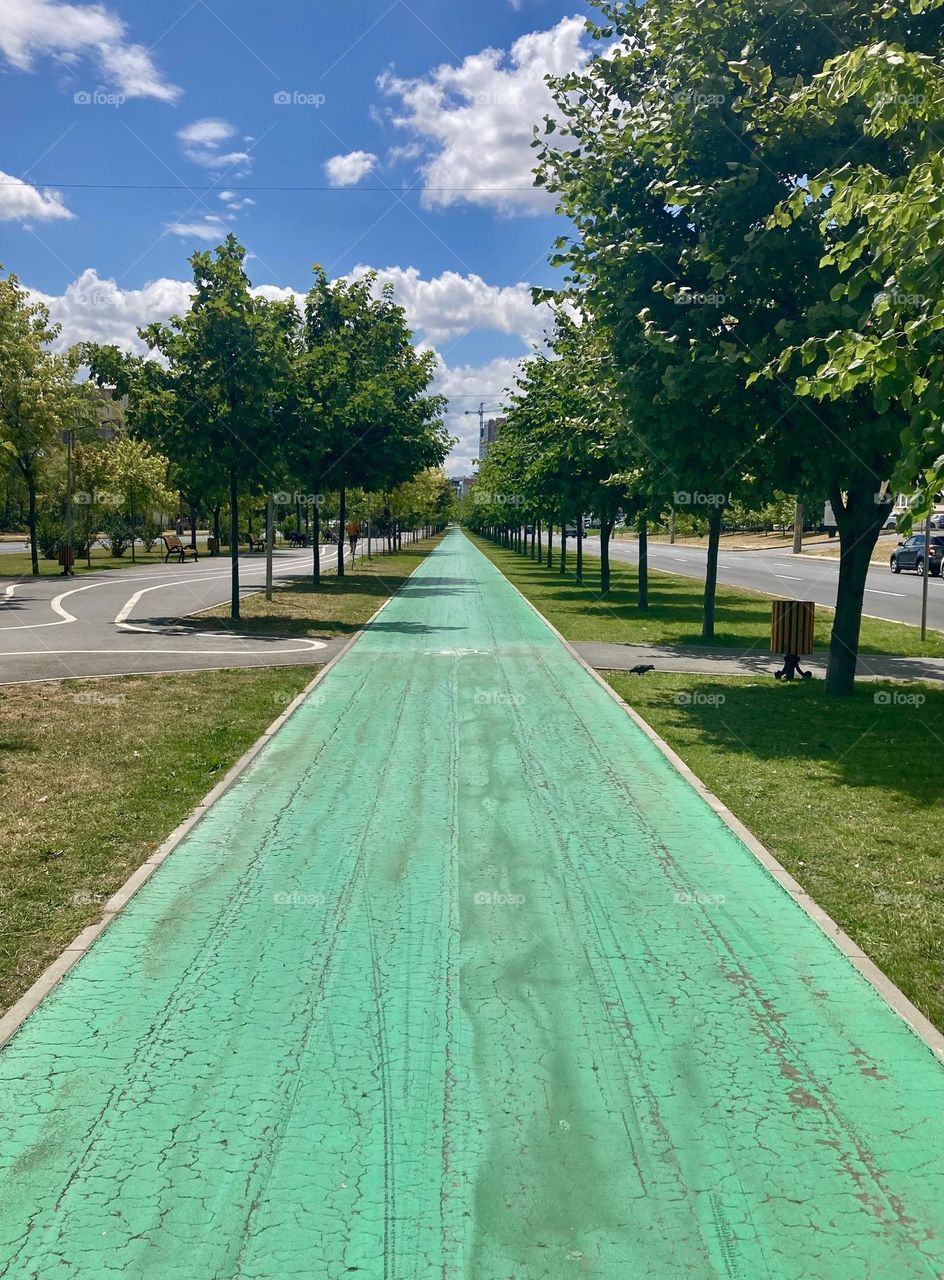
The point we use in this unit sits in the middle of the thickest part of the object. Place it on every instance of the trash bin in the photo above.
(67, 559)
(794, 623)
(213, 546)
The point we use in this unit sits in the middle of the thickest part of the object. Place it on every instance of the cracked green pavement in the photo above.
(462, 980)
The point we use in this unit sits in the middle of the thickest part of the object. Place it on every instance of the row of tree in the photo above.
(753, 297)
(240, 397)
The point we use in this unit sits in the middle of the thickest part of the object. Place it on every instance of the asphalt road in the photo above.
(519, 1008)
(896, 598)
(125, 621)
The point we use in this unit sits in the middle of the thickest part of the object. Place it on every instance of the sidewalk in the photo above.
(463, 979)
(692, 660)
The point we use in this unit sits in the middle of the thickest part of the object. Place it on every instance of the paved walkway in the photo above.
(128, 621)
(744, 662)
(522, 1009)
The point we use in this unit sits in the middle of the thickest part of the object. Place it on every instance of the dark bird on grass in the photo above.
(640, 671)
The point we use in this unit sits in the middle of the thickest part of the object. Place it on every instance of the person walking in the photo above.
(353, 534)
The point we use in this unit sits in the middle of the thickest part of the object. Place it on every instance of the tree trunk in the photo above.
(606, 530)
(342, 519)
(550, 542)
(643, 602)
(193, 525)
(133, 539)
(579, 577)
(539, 541)
(798, 530)
(31, 490)
(216, 523)
(234, 542)
(715, 516)
(860, 521)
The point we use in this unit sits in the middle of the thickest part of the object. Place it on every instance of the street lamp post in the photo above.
(270, 544)
(67, 569)
(926, 577)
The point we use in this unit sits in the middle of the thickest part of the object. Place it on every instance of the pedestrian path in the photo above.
(462, 980)
(692, 660)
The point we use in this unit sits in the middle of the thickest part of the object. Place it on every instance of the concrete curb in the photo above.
(880, 982)
(18, 1013)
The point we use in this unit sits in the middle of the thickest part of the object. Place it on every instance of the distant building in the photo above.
(490, 433)
(112, 412)
(462, 486)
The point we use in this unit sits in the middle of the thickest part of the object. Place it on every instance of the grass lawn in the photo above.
(94, 774)
(17, 564)
(338, 607)
(847, 794)
(742, 617)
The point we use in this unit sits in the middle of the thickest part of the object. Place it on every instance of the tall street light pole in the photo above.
(926, 577)
(67, 569)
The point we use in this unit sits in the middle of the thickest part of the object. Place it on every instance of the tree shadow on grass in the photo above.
(866, 740)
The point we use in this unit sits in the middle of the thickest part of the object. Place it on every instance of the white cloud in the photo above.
(97, 310)
(347, 171)
(206, 133)
(202, 141)
(477, 119)
(30, 29)
(211, 228)
(233, 200)
(19, 202)
(450, 305)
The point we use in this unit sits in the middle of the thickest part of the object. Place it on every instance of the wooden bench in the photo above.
(174, 547)
(256, 544)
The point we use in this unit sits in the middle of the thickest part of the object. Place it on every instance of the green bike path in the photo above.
(462, 980)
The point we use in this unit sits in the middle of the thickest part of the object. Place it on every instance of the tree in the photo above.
(882, 229)
(684, 151)
(223, 394)
(39, 398)
(138, 475)
(561, 444)
(364, 416)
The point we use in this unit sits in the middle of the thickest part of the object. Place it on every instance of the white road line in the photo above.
(121, 620)
(57, 607)
(787, 577)
(875, 592)
(8, 594)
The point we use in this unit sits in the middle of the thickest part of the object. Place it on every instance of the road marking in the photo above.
(8, 594)
(56, 605)
(788, 577)
(257, 567)
(875, 592)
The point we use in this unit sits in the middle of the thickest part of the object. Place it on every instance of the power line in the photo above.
(217, 187)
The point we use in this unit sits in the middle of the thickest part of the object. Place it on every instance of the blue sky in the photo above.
(144, 132)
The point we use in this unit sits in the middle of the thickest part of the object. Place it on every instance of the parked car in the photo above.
(892, 521)
(910, 554)
(937, 521)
